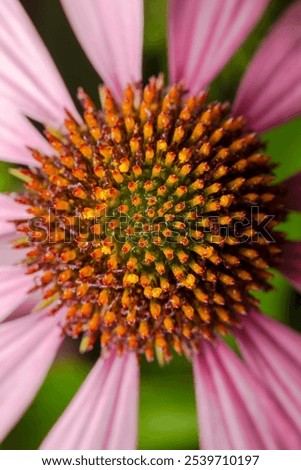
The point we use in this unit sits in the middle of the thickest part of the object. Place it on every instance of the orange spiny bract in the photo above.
(150, 219)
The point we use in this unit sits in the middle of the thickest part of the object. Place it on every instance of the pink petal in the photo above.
(272, 351)
(14, 287)
(111, 34)
(27, 349)
(293, 196)
(10, 210)
(237, 411)
(29, 305)
(291, 266)
(8, 255)
(270, 92)
(212, 428)
(16, 133)
(28, 75)
(203, 35)
(103, 414)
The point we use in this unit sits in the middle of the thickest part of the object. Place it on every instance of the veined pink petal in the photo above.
(272, 351)
(16, 133)
(293, 195)
(203, 35)
(27, 349)
(270, 92)
(28, 76)
(14, 287)
(103, 414)
(241, 412)
(291, 266)
(10, 210)
(111, 34)
(212, 427)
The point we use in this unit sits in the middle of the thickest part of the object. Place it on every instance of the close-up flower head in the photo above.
(147, 221)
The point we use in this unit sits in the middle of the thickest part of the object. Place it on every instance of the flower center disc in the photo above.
(152, 222)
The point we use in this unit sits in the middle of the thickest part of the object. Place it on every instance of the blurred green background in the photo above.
(167, 405)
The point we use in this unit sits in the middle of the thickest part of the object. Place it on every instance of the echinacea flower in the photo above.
(147, 222)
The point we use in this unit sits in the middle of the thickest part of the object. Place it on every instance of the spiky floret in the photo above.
(148, 220)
